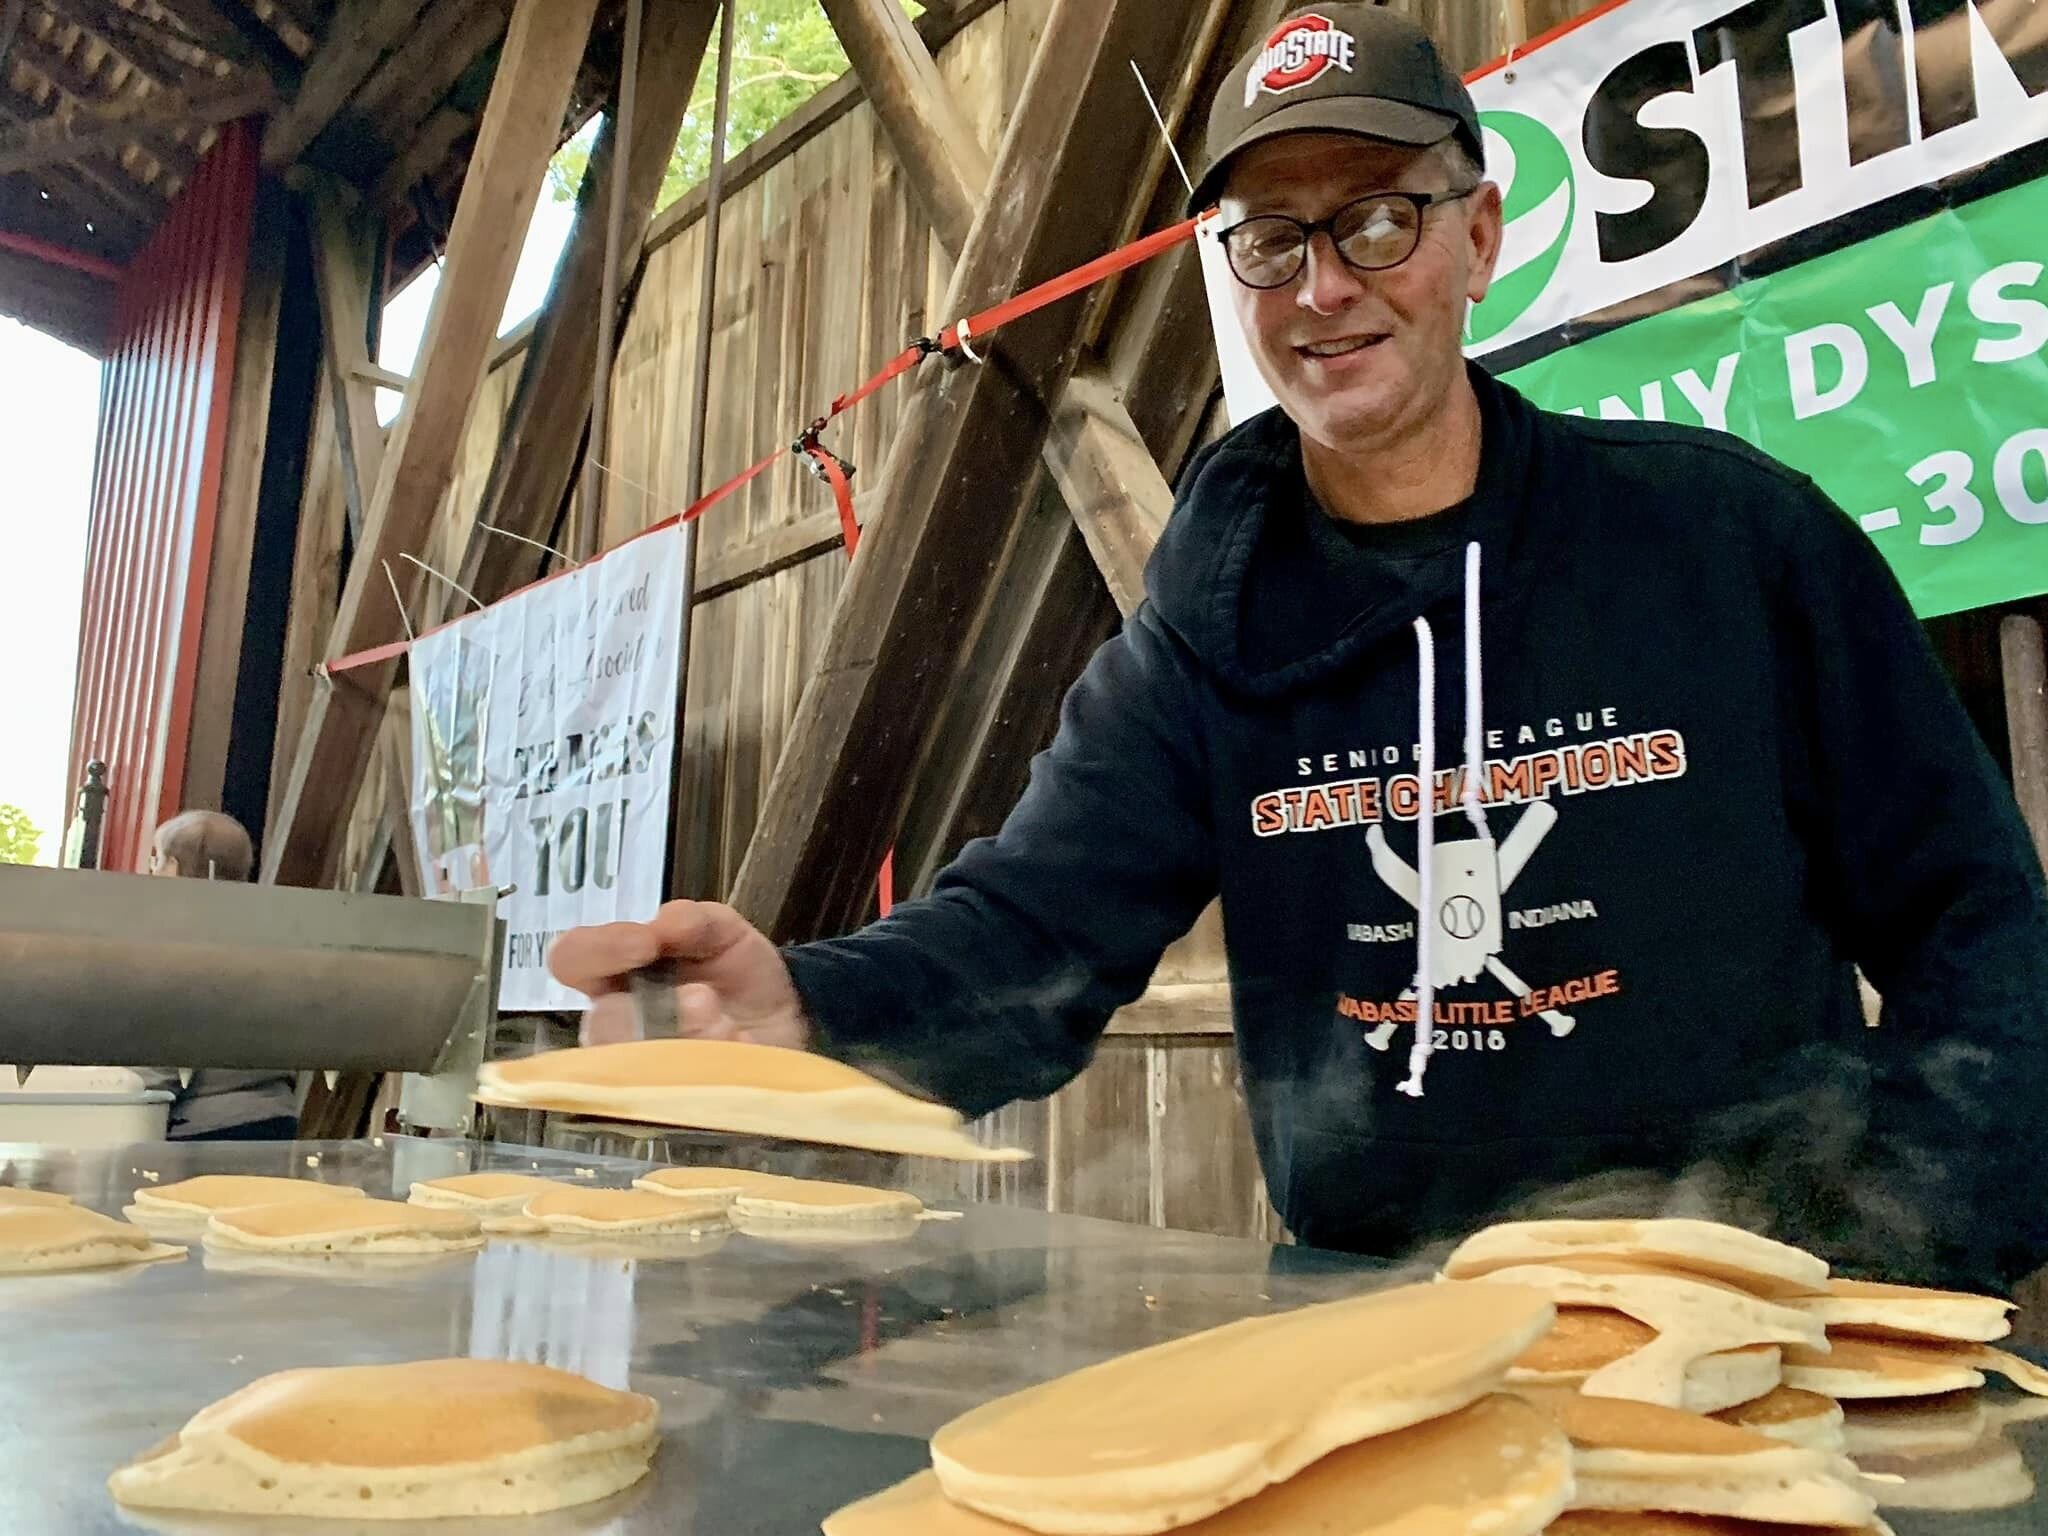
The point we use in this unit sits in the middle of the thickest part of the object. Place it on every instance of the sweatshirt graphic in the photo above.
(1718, 767)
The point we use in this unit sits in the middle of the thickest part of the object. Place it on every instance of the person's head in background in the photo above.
(202, 845)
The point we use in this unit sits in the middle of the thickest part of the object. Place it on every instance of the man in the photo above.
(219, 1105)
(1693, 762)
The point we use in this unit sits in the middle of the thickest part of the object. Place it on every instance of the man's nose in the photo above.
(1328, 285)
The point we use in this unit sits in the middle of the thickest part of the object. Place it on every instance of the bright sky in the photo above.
(49, 411)
(49, 406)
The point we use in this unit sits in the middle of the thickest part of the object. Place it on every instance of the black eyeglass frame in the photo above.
(1421, 202)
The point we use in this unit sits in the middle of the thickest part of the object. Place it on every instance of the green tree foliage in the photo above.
(784, 53)
(19, 837)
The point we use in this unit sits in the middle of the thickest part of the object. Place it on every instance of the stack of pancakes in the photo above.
(1368, 1417)
(1706, 1319)
(1909, 1362)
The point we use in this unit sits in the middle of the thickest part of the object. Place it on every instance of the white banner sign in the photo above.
(543, 753)
(1658, 140)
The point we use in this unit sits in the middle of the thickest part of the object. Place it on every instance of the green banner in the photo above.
(1907, 374)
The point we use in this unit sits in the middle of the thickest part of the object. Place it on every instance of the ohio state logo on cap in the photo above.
(1300, 50)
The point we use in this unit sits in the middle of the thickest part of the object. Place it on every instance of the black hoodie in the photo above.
(1722, 767)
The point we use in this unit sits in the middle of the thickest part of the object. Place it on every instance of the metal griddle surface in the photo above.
(792, 1379)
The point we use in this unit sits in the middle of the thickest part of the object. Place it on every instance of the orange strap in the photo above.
(949, 340)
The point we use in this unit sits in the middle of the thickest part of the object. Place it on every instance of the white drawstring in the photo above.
(1425, 857)
(1425, 817)
(1475, 696)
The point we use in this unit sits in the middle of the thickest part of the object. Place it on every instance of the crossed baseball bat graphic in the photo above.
(1510, 858)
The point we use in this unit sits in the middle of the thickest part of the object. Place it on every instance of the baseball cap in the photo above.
(1358, 69)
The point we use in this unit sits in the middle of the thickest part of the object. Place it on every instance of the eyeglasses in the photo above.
(1378, 231)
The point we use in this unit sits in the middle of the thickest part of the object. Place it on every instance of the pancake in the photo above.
(1862, 1368)
(480, 1193)
(724, 1085)
(182, 1209)
(1693, 1317)
(344, 1226)
(12, 1195)
(1906, 1311)
(1169, 1435)
(396, 1442)
(1497, 1467)
(700, 1180)
(823, 1200)
(1637, 1456)
(574, 1210)
(829, 1234)
(1707, 1248)
(1793, 1416)
(43, 1239)
(1587, 1339)
(1607, 1522)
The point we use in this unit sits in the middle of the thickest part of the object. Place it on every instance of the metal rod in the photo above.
(589, 525)
(700, 402)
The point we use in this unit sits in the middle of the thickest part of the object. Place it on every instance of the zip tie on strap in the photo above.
(965, 332)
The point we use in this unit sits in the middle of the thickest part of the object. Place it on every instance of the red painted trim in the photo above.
(60, 256)
(1562, 29)
(158, 467)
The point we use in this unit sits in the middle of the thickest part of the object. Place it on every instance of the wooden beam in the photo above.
(1111, 485)
(959, 470)
(529, 96)
(12, 14)
(942, 159)
(378, 375)
(345, 240)
(362, 31)
(410, 84)
(431, 145)
(64, 137)
(550, 411)
(762, 556)
(804, 125)
(67, 75)
(2024, 655)
(261, 44)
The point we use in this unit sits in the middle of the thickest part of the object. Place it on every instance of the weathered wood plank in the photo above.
(2024, 656)
(1205, 1169)
(551, 408)
(1101, 1159)
(837, 798)
(345, 241)
(528, 98)
(934, 144)
(361, 32)
(776, 549)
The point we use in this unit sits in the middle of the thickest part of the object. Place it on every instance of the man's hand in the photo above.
(732, 982)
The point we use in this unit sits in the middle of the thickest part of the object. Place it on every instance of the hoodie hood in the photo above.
(1243, 576)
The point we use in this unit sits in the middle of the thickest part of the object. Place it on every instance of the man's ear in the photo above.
(1483, 235)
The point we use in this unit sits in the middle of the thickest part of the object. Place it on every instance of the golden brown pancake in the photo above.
(1794, 1416)
(212, 1192)
(1693, 1318)
(726, 1085)
(822, 1200)
(1172, 1434)
(1706, 1248)
(1496, 1467)
(386, 1442)
(573, 1210)
(344, 1226)
(1587, 1340)
(14, 1195)
(1637, 1456)
(702, 1180)
(1859, 1368)
(480, 1192)
(1607, 1522)
(1909, 1312)
(47, 1238)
